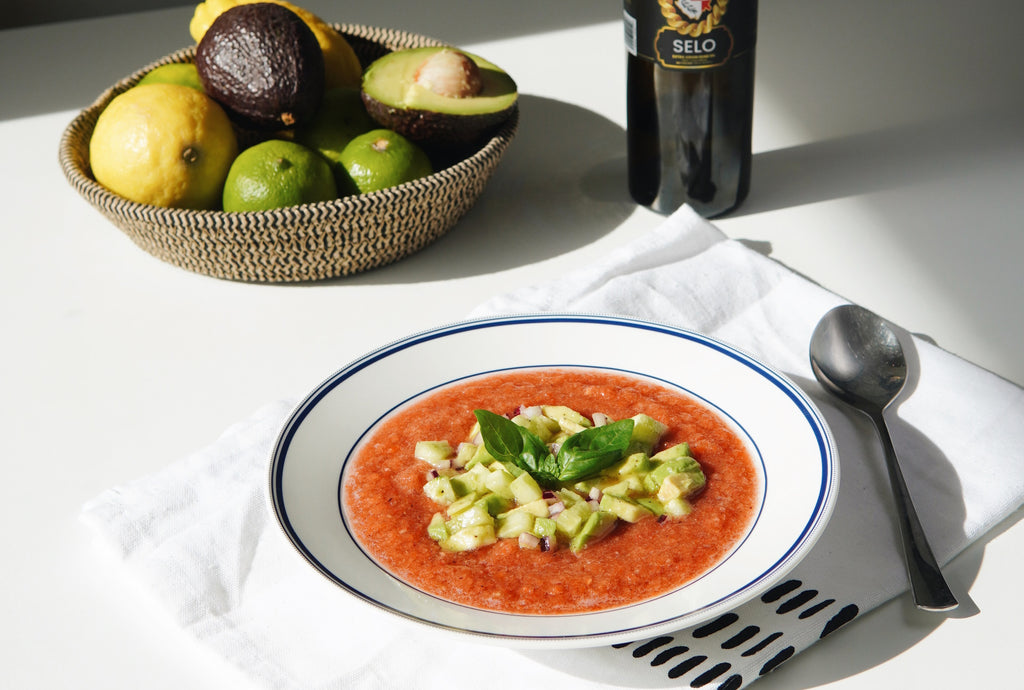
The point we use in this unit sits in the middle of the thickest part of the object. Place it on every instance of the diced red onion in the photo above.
(432, 474)
(594, 505)
(595, 494)
(600, 419)
(545, 544)
(555, 509)
(548, 494)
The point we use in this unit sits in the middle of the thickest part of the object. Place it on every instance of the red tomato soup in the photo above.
(389, 512)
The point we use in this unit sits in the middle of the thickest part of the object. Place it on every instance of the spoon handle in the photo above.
(931, 593)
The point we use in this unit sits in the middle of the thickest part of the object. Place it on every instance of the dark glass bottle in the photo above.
(689, 102)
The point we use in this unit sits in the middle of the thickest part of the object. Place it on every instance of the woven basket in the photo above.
(297, 243)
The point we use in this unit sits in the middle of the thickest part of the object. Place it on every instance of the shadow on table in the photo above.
(561, 186)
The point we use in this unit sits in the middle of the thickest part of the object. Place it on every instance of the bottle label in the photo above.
(690, 34)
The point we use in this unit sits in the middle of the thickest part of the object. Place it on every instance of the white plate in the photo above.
(787, 437)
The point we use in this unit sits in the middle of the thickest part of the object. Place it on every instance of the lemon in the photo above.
(163, 144)
(383, 158)
(183, 73)
(341, 65)
(340, 118)
(277, 173)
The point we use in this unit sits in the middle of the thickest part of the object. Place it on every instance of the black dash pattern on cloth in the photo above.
(717, 654)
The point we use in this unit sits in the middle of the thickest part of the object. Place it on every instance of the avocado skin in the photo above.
(462, 121)
(428, 127)
(263, 64)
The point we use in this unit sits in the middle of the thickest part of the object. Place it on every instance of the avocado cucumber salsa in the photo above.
(551, 478)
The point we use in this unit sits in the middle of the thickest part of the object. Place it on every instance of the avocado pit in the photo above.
(438, 95)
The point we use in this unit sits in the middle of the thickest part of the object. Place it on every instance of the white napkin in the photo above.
(200, 535)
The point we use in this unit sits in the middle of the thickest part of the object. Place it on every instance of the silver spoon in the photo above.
(859, 359)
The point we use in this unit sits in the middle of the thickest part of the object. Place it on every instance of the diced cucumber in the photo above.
(440, 490)
(623, 508)
(538, 508)
(500, 482)
(571, 520)
(480, 457)
(525, 489)
(462, 503)
(476, 514)
(512, 468)
(568, 419)
(437, 529)
(470, 538)
(464, 454)
(542, 426)
(544, 527)
(514, 523)
(646, 433)
(437, 453)
(568, 497)
(599, 524)
(494, 504)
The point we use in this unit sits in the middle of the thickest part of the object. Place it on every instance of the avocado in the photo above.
(438, 95)
(263, 64)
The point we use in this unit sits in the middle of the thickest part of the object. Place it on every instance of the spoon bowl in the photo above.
(857, 357)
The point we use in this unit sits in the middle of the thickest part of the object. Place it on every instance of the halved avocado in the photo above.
(438, 95)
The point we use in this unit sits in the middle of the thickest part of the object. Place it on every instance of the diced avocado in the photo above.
(599, 524)
(653, 505)
(544, 527)
(525, 489)
(514, 523)
(683, 465)
(634, 463)
(627, 486)
(571, 520)
(500, 482)
(476, 514)
(437, 453)
(440, 490)
(627, 510)
(678, 507)
(437, 529)
(681, 484)
(646, 433)
(679, 450)
(568, 419)
(494, 504)
(470, 538)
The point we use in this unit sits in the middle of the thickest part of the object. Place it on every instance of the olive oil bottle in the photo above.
(689, 102)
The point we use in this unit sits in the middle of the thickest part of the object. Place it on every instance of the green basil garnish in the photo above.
(581, 456)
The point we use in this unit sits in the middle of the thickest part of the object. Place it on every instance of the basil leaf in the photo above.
(510, 442)
(588, 452)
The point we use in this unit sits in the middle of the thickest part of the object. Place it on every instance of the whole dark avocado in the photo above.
(263, 64)
(438, 95)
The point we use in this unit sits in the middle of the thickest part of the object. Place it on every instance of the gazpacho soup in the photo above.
(551, 491)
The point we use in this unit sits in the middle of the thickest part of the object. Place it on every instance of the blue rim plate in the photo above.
(787, 436)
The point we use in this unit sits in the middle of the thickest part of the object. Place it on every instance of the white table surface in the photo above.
(889, 167)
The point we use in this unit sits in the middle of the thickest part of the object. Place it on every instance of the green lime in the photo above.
(382, 158)
(340, 118)
(182, 73)
(277, 173)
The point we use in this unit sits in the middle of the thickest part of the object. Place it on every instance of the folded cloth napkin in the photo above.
(199, 533)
